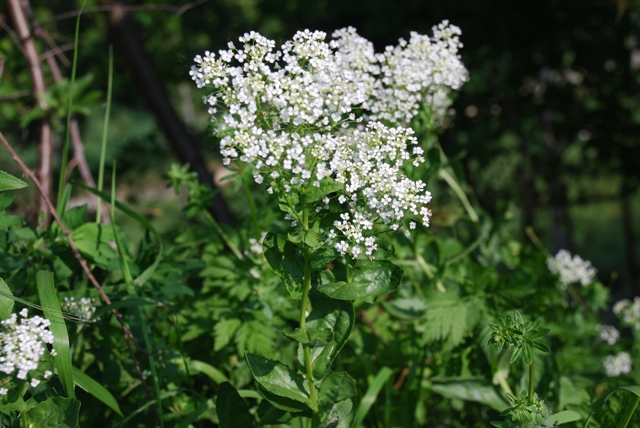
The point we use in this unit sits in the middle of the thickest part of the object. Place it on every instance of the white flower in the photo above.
(609, 334)
(3, 391)
(570, 269)
(82, 309)
(617, 365)
(22, 343)
(35, 382)
(628, 312)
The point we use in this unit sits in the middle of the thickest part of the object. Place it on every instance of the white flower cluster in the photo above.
(22, 344)
(615, 365)
(628, 312)
(289, 113)
(82, 309)
(609, 334)
(422, 70)
(571, 269)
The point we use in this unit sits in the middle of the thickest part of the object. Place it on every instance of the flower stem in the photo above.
(304, 305)
(531, 376)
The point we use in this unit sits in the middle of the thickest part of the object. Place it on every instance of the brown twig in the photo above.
(83, 263)
(38, 89)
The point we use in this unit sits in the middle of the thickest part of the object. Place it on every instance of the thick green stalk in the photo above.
(306, 286)
(531, 376)
(628, 412)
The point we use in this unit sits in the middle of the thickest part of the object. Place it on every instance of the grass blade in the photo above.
(51, 308)
(372, 393)
(103, 147)
(87, 383)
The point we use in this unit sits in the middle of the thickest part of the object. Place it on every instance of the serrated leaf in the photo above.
(223, 332)
(449, 318)
(278, 380)
(232, 410)
(368, 282)
(256, 336)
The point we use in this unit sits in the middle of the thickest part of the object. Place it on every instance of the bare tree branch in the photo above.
(38, 88)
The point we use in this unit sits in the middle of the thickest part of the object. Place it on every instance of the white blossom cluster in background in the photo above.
(609, 334)
(615, 365)
(22, 344)
(296, 114)
(82, 309)
(571, 269)
(628, 312)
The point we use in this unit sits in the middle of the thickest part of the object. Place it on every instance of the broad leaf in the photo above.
(336, 401)
(6, 303)
(9, 182)
(232, 410)
(284, 260)
(328, 314)
(311, 337)
(54, 412)
(368, 282)
(327, 185)
(279, 380)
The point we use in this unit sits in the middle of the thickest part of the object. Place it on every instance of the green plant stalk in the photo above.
(105, 129)
(444, 174)
(531, 376)
(306, 286)
(252, 207)
(628, 412)
(65, 147)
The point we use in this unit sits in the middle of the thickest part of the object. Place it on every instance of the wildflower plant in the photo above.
(322, 125)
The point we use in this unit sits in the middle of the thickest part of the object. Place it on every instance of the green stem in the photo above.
(628, 412)
(304, 305)
(223, 235)
(252, 207)
(461, 195)
(105, 130)
(531, 376)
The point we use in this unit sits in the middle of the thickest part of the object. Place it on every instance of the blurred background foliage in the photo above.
(547, 129)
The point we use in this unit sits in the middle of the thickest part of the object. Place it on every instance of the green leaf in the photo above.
(6, 221)
(372, 393)
(279, 381)
(54, 412)
(328, 314)
(87, 383)
(6, 304)
(223, 332)
(327, 185)
(449, 318)
(368, 282)
(9, 182)
(51, 308)
(406, 309)
(10, 262)
(322, 257)
(311, 337)
(214, 374)
(566, 416)
(336, 401)
(283, 258)
(6, 199)
(471, 390)
(74, 217)
(595, 407)
(232, 410)
(385, 249)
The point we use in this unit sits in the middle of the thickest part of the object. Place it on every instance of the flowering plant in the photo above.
(324, 125)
